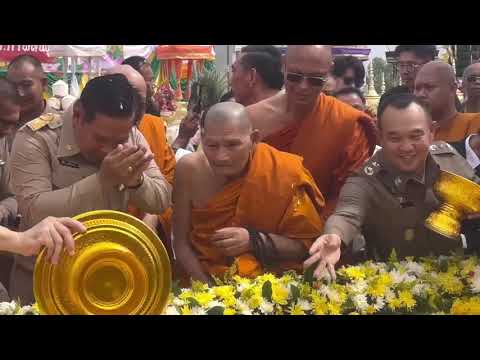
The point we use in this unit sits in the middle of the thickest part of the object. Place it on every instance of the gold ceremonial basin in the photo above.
(120, 267)
(460, 197)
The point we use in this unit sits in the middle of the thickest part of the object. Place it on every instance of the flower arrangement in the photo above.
(431, 285)
(443, 285)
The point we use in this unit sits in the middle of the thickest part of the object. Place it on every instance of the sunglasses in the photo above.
(317, 81)
(473, 78)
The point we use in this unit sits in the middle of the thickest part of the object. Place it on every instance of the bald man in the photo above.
(333, 138)
(471, 88)
(153, 128)
(240, 202)
(436, 86)
(26, 73)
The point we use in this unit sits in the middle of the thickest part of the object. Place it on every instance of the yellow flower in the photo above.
(320, 306)
(394, 303)
(255, 301)
(229, 301)
(407, 299)
(370, 310)
(229, 311)
(450, 283)
(296, 310)
(279, 294)
(334, 308)
(185, 310)
(203, 298)
(266, 277)
(186, 294)
(355, 273)
(466, 307)
(198, 286)
(224, 292)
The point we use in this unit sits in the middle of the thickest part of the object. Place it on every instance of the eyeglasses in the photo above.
(473, 78)
(317, 81)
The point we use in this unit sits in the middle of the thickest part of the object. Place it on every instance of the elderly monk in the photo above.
(436, 85)
(242, 202)
(333, 138)
(471, 88)
(153, 129)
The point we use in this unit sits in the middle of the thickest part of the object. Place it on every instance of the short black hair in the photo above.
(8, 91)
(26, 59)
(267, 60)
(110, 95)
(400, 101)
(425, 52)
(342, 63)
(135, 62)
(348, 91)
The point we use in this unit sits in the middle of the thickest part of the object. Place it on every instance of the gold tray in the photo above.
(120, 267)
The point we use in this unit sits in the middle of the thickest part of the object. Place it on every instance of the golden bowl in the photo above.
(120, 267)
(460, 197)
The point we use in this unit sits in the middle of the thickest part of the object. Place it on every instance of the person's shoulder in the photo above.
(473, 118)
(45, 122)
(270, 104)
(442, 148)
(189, 164)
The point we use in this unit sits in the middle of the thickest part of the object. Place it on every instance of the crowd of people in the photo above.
(290, 169)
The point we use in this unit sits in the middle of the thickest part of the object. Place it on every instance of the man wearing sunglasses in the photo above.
(471, 88)
(436, 85)
(333, 138)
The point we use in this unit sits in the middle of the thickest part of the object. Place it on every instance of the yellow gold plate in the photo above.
(120, 267)
(460, 197)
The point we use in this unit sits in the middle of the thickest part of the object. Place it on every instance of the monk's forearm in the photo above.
(189, 261)
(289, 249)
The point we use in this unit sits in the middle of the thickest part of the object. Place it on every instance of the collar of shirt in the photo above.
(471, 156)
(67, 144)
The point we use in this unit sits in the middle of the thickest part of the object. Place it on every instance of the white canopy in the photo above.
(77, 50)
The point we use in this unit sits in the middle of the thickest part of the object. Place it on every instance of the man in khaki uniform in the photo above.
(9, 116)
(389, 199)
(90, 158)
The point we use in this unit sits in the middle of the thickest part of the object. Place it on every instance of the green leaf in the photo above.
(295, 293)
(176, 289)
(308, 274)
(192, 302)
(267, 290)
(216, 310)
(393, 257)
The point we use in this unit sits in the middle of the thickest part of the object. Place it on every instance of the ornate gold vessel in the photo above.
(120, 267)
(460, 197)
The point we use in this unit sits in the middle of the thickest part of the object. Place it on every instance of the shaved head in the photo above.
(231, 112)
(228, 139)
(440, 70)
(318, 52)
(133, 76)
(306, 70)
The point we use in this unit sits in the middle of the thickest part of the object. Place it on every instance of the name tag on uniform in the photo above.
(68, 163)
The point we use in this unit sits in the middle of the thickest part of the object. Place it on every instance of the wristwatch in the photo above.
(140, 183)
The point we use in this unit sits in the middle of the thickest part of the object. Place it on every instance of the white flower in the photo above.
(379, 304)
(419, 289)
(172, 310)
(243, 308)
(7, 308)
(25, 310)
(358, 286)
(266, 307)
(398, 277)
(475, 286)
(389, 295)
(198, 311)
(214, 303)
(178, 302)
(360, 302)
(415, 268)
(330, 293)
(304, 305)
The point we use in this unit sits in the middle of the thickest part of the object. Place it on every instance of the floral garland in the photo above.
(442, 285)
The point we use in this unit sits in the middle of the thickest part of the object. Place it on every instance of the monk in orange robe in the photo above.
(333, 138)
(242, 203)
(436, 85)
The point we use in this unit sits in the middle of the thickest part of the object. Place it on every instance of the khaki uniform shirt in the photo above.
(51, 178)
(390, 208)
(7, 201)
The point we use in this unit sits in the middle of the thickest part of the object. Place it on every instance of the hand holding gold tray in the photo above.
(120, 267)
(460, 197)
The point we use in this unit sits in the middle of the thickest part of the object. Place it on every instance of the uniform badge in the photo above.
(368, 170)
